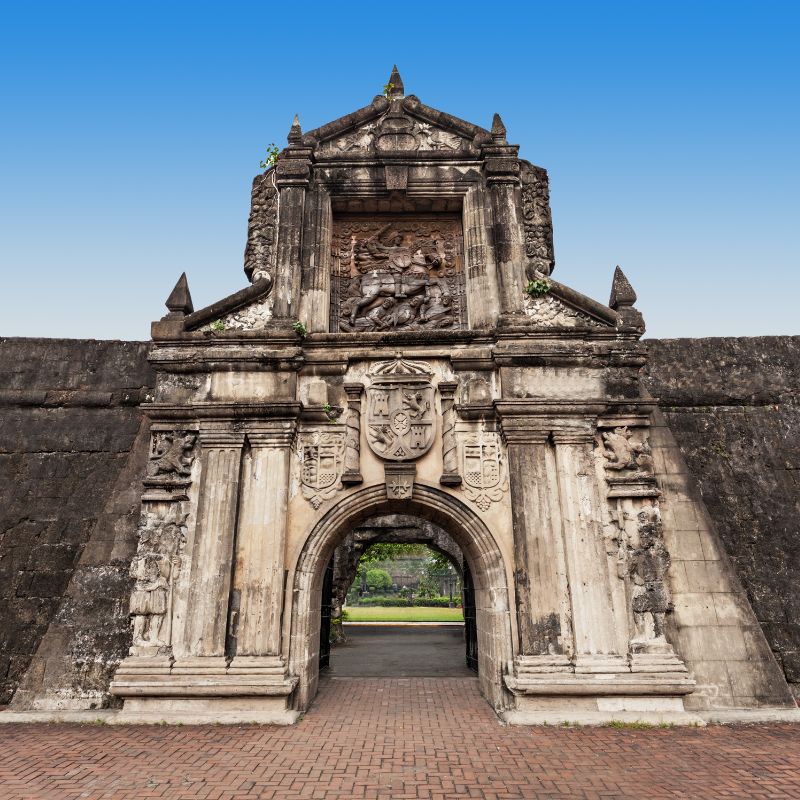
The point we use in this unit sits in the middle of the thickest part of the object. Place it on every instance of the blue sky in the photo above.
(131, 132)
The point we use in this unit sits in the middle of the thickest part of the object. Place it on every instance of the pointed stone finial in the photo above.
(295, 133)
(498, 130)
(395, 88)
(622, 293)
(622, 299)
(179, 302)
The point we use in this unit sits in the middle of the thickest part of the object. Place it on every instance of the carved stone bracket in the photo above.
(352, 454)
(450, 474)
(400, 480)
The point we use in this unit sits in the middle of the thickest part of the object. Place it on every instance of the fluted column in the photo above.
(261, 539)
(592, 612)
(542, 599)
(212, 552)
(450, 474)
(352, 447)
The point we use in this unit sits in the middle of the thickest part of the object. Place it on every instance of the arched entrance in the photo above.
(481, 553)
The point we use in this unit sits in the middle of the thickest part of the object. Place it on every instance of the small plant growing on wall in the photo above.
(331, 413)
(272, 156)
(387, 90)
(217, 325)
(537, 288)
(300, 329)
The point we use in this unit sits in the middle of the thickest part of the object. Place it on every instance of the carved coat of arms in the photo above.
(321, 459)
(400, 413)
(483, 470)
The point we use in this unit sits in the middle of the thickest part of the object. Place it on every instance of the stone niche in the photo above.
(392, 272)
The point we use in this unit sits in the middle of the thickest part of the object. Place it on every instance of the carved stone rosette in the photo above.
(322, 454)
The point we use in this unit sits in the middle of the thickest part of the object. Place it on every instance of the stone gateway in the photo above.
(402, 348)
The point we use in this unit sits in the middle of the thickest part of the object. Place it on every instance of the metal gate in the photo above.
(470, 620)
(325, 618)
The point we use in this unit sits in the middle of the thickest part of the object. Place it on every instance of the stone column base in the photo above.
(596, 690)
(196, 691)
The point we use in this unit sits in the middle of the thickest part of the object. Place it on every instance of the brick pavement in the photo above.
(398, 738)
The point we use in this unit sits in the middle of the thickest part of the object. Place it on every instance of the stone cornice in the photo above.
(287, 410)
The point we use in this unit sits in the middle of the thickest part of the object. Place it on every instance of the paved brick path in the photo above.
(397, 738)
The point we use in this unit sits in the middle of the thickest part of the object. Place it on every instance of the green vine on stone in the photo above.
(537, 288)
(272, 156)
(331, 413)
(300, 329)
(387, 90)
(217, 325)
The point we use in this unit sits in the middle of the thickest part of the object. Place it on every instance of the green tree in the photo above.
(378, 580)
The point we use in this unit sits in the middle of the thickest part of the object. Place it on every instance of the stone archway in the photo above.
(481, 552)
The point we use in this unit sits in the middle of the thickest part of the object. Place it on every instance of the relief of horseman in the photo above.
(389, 268)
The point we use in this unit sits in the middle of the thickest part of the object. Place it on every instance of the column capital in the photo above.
(354, 391)
(448, 389)
(569, 435)
(220, 438)
(276, 433)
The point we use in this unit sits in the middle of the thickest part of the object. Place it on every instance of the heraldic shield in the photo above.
(400, 413)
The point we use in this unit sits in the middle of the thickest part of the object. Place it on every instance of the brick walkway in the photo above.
(397, 738)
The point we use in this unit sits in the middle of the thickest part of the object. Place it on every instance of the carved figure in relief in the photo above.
(411, 263)
(154, 569)
(622, 451)
(647, 566)
(172, 454)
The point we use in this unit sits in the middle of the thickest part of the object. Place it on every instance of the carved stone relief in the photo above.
(400, 410)
(154, 569)
(252, 317)
(537, 221)
(395, 131)
(171, 454)
(548, 312)
(624, 452)
(321, 456)
(648, 563)
(397, 273)
(259, 254)
(483, 469)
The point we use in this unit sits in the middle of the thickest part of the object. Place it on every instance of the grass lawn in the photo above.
(403, 614)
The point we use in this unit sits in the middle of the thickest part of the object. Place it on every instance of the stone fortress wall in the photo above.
(73, 449)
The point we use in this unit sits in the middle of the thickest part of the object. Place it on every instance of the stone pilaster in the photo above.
(596, 648)
(292, 176)
(450, 475)
(482, 291)
(211, 565)
(501, 168)
(315, 296)
(261, 539)
(542, 601)
(352, 452)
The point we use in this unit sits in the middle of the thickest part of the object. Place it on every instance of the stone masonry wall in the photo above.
(68, 418)
(73, 447)
(733, 406)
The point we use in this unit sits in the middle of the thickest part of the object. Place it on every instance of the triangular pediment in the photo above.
(397, 124)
